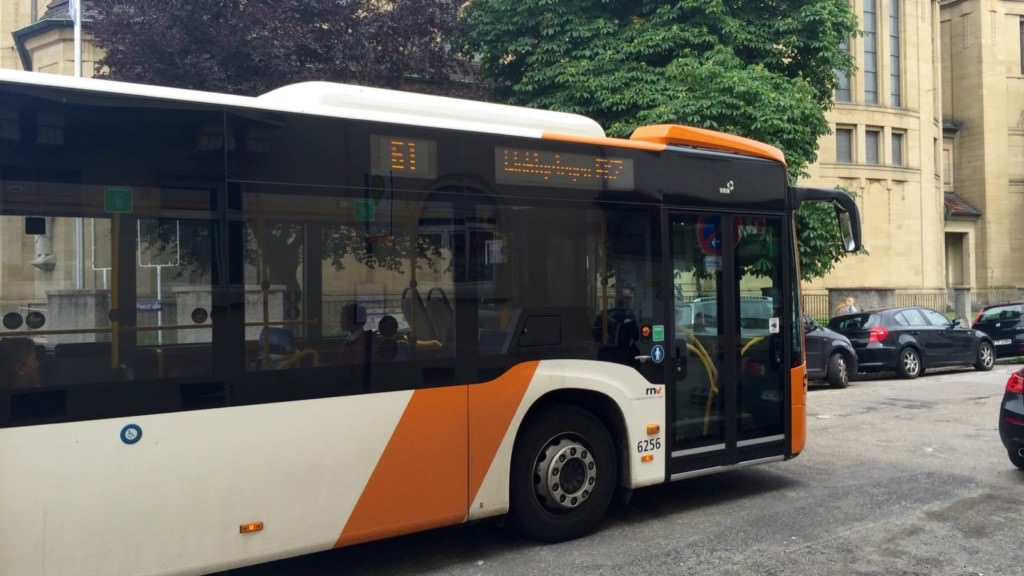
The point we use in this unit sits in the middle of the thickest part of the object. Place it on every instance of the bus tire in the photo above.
(563, 474)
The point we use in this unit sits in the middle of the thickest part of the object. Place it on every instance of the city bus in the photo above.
(260, 327)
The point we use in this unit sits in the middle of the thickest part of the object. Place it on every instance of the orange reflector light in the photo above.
(653, 429)
(250, 527)
(647, 458)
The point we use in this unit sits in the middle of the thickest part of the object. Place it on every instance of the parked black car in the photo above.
(1011, 419)
(830, 356)
(909, 339)
(1002, 322)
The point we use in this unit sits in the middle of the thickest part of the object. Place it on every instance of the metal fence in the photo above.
(817, 304)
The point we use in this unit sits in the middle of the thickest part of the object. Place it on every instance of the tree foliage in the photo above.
(247, 47)
(765, 69)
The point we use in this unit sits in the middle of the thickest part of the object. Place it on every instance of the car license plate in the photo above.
(1003, 342)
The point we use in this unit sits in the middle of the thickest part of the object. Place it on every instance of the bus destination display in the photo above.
(546, 168)
(403, 157)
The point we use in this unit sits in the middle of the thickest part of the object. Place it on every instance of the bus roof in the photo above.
(412, 109)
(350, 101)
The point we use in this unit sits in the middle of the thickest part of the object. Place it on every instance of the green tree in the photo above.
(765, 69)
(247, 47)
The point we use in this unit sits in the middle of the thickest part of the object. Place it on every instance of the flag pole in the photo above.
(75, 9)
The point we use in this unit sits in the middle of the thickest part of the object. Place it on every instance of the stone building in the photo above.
(929, 133)
(38, 35)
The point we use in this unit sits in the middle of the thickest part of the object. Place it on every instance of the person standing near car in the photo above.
(847, 306)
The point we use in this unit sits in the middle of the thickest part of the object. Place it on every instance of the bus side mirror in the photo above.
(846, 229)
(847, 214)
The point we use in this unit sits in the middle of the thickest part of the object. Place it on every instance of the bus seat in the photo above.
(81, 362)
(280, 340)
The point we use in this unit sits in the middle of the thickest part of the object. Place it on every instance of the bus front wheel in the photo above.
(563, 474)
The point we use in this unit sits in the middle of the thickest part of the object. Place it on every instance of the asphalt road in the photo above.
(898, 478)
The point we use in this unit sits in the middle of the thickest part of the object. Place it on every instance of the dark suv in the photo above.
(1002, 322)
(830, 356)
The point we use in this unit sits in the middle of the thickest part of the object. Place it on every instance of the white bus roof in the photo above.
(349, 101)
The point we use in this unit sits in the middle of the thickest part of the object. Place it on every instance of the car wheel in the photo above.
(909, 364)
(986, 356)
(838, 377)
(1016, 459)
(563, 474)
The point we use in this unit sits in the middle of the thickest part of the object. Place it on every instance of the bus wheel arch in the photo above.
(566, 466)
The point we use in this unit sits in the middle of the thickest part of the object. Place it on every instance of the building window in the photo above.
(870, 53)
(844, 145)
(897, 148)
(895, 96)
(947, 164)
(872, 139)
(842, 80)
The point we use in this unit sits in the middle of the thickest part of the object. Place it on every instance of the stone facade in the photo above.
(957, 68)
(983, 103)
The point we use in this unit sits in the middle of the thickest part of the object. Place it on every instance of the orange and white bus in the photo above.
(263, 327)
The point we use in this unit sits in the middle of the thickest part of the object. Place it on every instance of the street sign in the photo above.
(709, 234)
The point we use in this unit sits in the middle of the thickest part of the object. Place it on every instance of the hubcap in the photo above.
(566, 473)
(987, 356)
(910, 363)
(841, 365)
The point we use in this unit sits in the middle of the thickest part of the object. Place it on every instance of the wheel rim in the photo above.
(841, 368)
(987, 355)
(566, 473)
(911, 364)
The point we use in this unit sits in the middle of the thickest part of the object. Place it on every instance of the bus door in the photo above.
(728, 402)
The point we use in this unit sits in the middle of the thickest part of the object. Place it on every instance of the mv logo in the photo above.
(654, 390)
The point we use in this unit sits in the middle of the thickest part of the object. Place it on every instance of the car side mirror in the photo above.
(956, 323)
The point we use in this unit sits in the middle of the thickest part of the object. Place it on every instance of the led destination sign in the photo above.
(404, 157)
(547, 168)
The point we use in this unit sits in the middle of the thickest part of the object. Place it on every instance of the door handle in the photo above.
(643, 359)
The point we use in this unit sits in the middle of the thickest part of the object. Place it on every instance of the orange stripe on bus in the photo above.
(491, 409)
(798, 408)
(423, 479)
(598, 141)
(420, 480)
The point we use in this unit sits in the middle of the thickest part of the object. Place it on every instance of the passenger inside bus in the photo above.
(619, 344)
(355, 347)
(19, 363)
